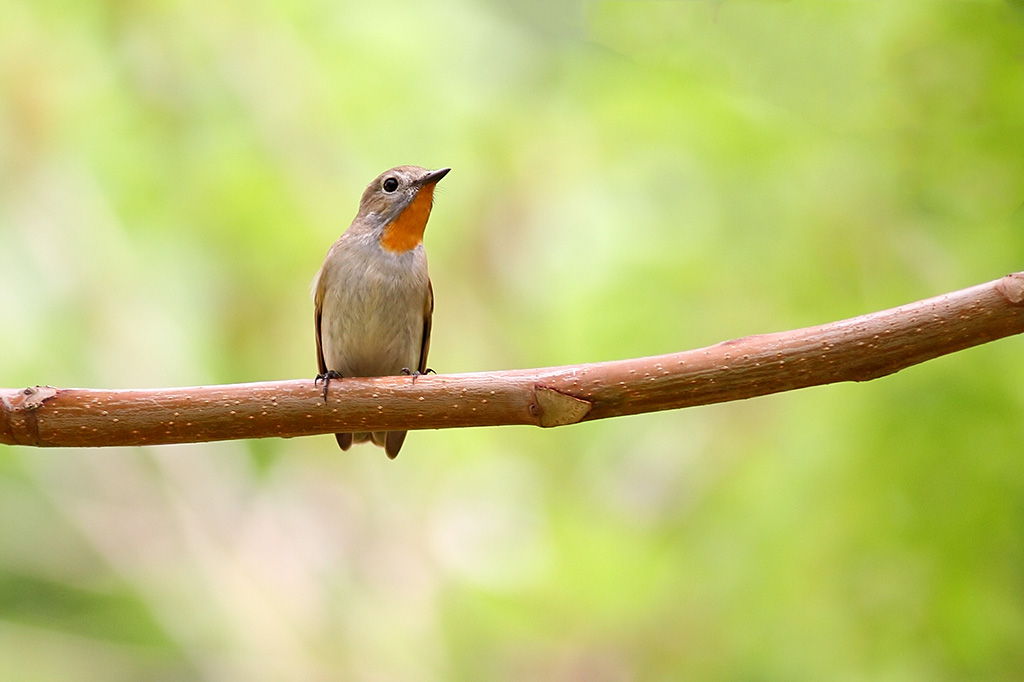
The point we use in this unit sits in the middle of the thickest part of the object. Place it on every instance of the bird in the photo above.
(372, 296)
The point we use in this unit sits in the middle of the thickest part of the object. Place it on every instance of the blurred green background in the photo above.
(630, 178)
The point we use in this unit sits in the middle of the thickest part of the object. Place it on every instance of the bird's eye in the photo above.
(390, 185)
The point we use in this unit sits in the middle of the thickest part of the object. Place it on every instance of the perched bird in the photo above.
(373, 296)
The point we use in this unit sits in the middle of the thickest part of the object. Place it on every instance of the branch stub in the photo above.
(559, 409)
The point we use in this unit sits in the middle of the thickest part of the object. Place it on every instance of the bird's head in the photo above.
(398, 202)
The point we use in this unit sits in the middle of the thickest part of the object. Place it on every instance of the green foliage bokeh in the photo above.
(629, 178)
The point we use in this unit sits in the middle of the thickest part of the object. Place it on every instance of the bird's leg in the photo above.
(326, 378)
(408, 372)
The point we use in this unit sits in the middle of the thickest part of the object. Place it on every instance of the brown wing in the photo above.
(428, 314)
(318, 313)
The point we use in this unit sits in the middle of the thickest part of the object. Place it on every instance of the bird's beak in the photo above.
(433, 176)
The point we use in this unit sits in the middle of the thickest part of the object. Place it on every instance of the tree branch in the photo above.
(858, 349)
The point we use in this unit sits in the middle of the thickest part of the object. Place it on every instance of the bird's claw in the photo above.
(326, 378)
(408, 372)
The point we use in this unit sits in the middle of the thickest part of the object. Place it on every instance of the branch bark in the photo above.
(858, 349)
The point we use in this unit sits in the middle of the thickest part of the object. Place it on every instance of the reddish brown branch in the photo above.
(858, 349)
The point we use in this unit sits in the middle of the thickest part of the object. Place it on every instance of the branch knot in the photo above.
(559, 409)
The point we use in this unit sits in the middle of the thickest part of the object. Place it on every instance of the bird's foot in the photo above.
(408, 372)
(326, 378)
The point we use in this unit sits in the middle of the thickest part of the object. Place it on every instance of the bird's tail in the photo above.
(391, 441)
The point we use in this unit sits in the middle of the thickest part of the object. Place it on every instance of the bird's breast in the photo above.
(373, 310)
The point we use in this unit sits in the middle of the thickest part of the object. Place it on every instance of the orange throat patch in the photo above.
(406, 231)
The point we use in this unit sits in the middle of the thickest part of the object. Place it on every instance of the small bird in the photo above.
(373, 299)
